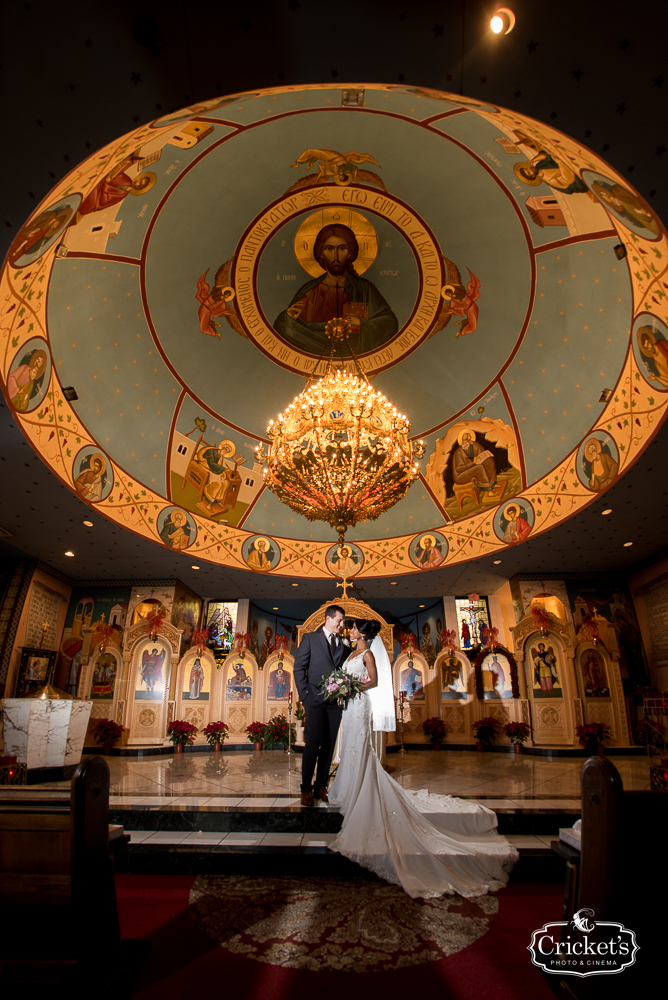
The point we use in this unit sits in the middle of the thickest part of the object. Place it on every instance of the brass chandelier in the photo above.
(340, 452)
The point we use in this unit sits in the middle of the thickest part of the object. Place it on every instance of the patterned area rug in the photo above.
(323, 924)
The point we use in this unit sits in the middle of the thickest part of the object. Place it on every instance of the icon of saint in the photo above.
(340, 292)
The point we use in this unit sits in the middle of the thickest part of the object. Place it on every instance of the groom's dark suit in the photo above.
(315, 657)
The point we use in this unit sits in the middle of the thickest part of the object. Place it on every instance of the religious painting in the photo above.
(650, 348)
(29, 375)
(475, 466)
(345, 560)
(42, 232)
(196, 680)
(496, 680)
(221, 624)
(35, 670)
(103, 682)
(513, 522)
(597, 463)
(280, 682)
(97, 604)
(92, 474)
(429, 550)
(239, 684)
(624, 205)
(453, 678)
(152, 670)
(412, 681)
(176, 528)
(261, 554)
(186, 611)
(594, 674)
(546, 683)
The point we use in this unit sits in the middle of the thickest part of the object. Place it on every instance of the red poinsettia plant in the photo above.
(408, 641)
(181, 732)
(276, 731)
(215, 732)
(492, 638)
(434, 728)
(592, 734)
(517, 732)
(486, 730)
(281, 642)
(106, 732)
(255, 732)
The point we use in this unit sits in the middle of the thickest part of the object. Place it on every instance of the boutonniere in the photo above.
(346, 642)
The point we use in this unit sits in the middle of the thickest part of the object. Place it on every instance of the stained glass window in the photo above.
(472, 622)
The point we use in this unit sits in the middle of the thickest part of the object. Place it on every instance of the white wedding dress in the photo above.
(428, 844)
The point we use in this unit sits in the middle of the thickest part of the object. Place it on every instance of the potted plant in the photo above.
(181, 733)
(592, 735)
(435, 729)
(255, 733)
(276, 732)
(485, 731)
(300, 716)
(518, 733)
(106, 732)
(215, 734)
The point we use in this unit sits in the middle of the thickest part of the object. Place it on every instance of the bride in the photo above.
(428, 844)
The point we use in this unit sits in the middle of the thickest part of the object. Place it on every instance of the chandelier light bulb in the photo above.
(496, 24)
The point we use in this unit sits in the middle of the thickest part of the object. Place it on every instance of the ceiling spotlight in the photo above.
(497, 562)
(274, 609)
(605, 396)
(393, 583)
(295, 584)
(502, 21)
(608, 511)
(68, 553)
(626, 544)
(194, 567)
(422, 605)
(620, 251)
(70, 393)
(89, 524)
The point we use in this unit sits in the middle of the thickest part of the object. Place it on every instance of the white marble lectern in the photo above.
(46, 733)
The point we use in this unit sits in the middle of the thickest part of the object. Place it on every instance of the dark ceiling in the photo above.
(77, 77)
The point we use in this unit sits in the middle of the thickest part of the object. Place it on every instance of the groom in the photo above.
(318, 653)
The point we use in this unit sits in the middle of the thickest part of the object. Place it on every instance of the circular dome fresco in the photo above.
(511, 294)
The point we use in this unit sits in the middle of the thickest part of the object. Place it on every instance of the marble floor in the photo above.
(271, 779)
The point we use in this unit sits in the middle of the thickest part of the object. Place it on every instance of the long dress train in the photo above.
(428, 844)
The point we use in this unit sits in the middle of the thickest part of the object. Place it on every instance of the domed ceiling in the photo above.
(171, 280)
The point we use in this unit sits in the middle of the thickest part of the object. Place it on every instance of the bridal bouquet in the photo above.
(338, 685)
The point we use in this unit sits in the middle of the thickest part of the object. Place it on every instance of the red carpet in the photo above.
(497, 966)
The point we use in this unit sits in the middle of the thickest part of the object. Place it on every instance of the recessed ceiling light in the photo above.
(194, 567)
(422, 605)
(295, 584)
(497, 562)
(68, 553)
(626, 545)
(89, 524)
(608, 511)
(274, 609)
(393, 583)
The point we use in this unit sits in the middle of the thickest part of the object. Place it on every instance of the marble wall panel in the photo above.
(16, 714)
(77, 731)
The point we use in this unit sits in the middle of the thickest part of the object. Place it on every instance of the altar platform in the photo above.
(231, 812)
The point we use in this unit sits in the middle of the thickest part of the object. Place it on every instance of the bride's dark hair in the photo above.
(369, 628)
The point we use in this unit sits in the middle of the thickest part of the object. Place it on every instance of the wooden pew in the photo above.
(57, 890)
(620, 876)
